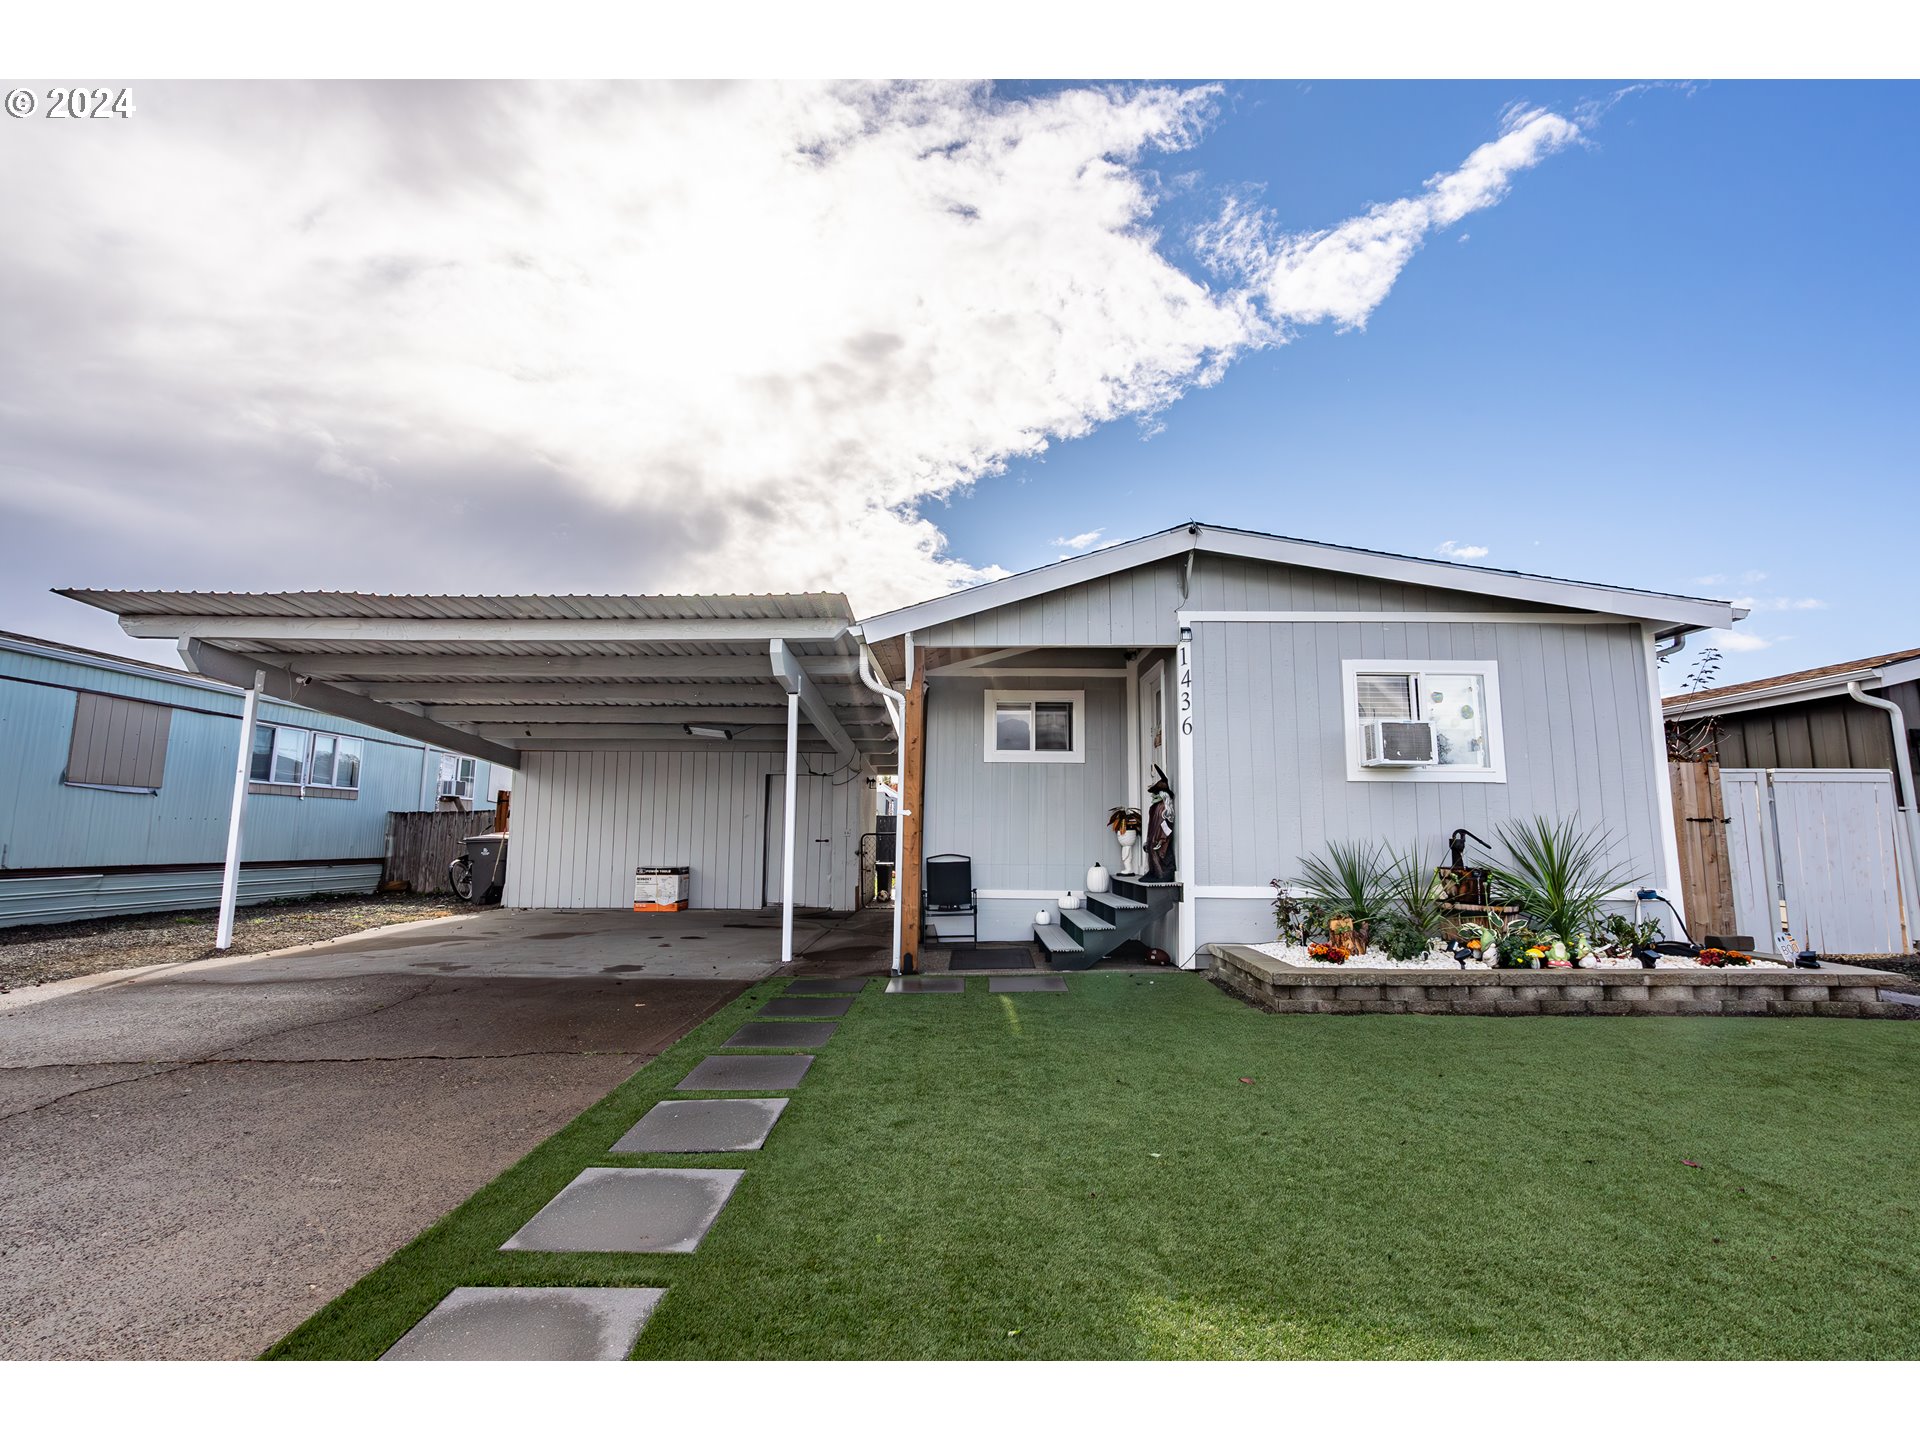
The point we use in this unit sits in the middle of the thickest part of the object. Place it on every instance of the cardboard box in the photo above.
(662, 887)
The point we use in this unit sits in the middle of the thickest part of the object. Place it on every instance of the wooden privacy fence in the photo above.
(1834, 840)
(421, 845)
(1706, 874)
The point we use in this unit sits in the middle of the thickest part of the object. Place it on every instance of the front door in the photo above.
(1153, 721)
(816, 849)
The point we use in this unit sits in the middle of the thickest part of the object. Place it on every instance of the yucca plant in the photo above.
(1558, 874)
(1415, 889)
(1352, 880)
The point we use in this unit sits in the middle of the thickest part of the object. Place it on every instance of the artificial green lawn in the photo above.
(1086, 1176)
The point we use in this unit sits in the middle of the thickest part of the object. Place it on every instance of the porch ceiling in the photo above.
(498, 674)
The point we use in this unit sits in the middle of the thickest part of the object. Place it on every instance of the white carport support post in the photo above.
(793, 766)
(230, 874)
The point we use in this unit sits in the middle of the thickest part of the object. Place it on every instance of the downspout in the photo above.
(896, 704)
(1903, 767)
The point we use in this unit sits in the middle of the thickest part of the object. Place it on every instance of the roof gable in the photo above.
(1671, 612)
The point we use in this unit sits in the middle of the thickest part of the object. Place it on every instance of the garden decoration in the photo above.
(1126, 824)
(1160, 828)
(1098, 881)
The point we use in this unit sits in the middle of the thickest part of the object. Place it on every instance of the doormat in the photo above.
(972, 957)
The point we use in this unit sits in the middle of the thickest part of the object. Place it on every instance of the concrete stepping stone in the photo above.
(781, 1034)
(822, 986)
(805, 1007)
(693, 1127)
(1012, 984)
(747, 1072)
(477, 1322)
(629, 1211)
(926, 985)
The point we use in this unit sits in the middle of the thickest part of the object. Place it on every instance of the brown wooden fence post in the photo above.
(1706, 870)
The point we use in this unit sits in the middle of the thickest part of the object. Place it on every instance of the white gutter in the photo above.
(1902, 764)
(896, 704)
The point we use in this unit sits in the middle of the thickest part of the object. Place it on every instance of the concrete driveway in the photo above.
(197, 1158)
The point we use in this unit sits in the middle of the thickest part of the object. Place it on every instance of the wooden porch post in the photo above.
(913, 774)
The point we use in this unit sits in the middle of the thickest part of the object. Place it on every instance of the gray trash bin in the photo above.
(487, 854)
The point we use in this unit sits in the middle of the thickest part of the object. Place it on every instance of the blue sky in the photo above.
(1683, 351)
(888, 339)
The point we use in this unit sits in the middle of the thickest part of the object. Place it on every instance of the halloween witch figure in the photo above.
(1160, 827)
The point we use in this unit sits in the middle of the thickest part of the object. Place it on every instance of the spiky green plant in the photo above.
(1558, 874)
(1415, 889)
(1352, 879)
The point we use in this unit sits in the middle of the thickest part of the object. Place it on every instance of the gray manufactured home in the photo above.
(1291, 692)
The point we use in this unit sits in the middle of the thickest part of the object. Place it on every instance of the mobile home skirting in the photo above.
(43, 899)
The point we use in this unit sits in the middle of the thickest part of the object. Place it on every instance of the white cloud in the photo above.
(1780, 602)
(1454, 550)
(641, 337)
(1736, 642)
(1080, 541)
(1344, 272)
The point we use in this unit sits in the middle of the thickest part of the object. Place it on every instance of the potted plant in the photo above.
(1126, 824)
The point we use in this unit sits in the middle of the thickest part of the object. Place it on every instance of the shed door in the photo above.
(816, 849)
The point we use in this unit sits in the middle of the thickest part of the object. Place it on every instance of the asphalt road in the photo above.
(193, 1165)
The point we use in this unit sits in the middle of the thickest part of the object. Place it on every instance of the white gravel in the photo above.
(1379, 960)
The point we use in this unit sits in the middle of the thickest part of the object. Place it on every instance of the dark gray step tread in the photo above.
(1056, 940)
(1118, 902)
(1084, 920)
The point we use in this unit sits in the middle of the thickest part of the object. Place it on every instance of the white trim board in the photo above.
(1672, 611)
(1401, 617)
(1233, 892)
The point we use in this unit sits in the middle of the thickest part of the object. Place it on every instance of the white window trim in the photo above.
(306, 782)
(1076, 756)
(360, 755)
(1495, 770)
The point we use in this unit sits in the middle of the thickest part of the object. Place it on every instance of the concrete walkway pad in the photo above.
(926, 985)
(821, 986)
(780, 1035)
(692, 1127)
(806, 1007)
(1011, 984)
(629, 1211)
(747, 1072)
(531, 1323)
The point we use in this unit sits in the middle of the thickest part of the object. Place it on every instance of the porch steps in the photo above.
(1055, 941)
(1084, 936)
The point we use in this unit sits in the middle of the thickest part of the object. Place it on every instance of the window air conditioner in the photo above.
(453, 789)
(1397, 742)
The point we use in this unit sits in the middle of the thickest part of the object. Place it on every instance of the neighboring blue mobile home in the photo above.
(116, 778)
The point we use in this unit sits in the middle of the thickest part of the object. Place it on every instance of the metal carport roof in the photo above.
(496, 675)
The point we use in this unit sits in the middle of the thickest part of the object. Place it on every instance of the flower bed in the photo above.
(1375, 959)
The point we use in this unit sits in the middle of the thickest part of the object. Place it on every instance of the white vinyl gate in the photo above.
(1837, 841)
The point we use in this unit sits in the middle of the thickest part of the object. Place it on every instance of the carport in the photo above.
(648, 730)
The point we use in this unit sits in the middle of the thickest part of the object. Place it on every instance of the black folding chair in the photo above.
(950, 892)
